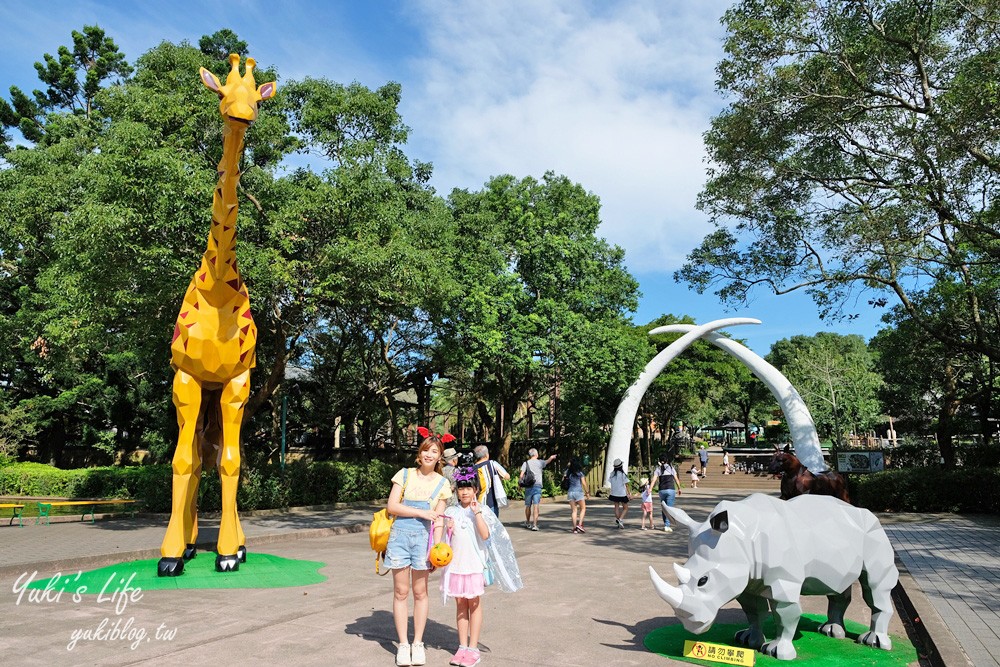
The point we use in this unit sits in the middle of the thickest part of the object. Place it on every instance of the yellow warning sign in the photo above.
(730, 655)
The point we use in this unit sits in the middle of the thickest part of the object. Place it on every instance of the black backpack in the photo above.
(528, 480)
(565, 482)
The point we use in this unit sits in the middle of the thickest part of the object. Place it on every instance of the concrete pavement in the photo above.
(587, 598)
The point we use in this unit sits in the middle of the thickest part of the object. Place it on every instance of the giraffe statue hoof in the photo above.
(227, 563)
(190, 552)
(241, 553)
(170, 567)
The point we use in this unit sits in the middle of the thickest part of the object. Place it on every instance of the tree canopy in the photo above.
(858, 152)
(365, 283)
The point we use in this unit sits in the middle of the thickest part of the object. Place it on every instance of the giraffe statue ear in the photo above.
(267, 90)
(210, 81)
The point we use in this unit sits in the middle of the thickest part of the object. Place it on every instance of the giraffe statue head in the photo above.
(238, 99)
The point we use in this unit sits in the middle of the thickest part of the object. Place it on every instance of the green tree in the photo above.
(932, 387)
(858, 152)
(836, 377)
(101, 229)
(540, 292)
(73, 78)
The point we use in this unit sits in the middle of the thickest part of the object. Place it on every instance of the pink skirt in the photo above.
(647, 507)
(464, 585)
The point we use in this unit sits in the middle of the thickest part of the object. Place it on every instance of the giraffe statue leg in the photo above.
(191, 522)
(186, 462)
(234, 398)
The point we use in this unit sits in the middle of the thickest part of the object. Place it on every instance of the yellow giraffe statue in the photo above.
(212, 351)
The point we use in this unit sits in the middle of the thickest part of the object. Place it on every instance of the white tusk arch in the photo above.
(800, 421)
(621, 432)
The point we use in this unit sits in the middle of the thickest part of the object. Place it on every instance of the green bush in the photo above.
(969, 490)
(38, 479)
(267, 487)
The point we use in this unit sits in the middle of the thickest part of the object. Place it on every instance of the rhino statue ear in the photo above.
(720, 522)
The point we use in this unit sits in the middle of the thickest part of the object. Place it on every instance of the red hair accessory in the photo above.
(426, 433)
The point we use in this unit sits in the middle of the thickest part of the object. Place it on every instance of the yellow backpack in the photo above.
(378, 532)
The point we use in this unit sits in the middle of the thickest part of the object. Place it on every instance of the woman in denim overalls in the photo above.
(406, 553)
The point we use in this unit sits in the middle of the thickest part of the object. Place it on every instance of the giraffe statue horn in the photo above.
(248, 77)
(234, 64)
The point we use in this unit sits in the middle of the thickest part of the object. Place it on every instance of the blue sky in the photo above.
(615, 96)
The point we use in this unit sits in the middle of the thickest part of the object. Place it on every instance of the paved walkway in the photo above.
(955, 561)
(587, 598)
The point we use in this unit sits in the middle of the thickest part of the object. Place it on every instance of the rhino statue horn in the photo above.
(671, 594)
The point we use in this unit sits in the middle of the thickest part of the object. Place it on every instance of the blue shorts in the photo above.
(407, 548)
(575, 495)
(533, 496)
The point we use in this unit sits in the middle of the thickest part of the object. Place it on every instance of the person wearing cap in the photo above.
(646, 489)
(450, 458)
(619, 492)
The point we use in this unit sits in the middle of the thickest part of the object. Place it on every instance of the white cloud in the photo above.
(614, 96)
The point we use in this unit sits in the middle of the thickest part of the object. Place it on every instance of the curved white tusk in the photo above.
(683, 574)
(800, 421)
(621, 432)
(671, 594)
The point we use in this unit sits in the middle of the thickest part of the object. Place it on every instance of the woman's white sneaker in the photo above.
(403, 656)
(417, 655)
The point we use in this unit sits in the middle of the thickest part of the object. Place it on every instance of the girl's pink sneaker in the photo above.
(471, 657)
(459, 657)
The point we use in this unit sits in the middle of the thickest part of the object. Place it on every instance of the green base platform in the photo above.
(260, 571)
(812, 647)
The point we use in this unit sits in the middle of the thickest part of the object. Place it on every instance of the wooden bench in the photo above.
(17, 510)
(45, 509)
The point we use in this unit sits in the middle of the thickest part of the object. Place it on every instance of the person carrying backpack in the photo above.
(531, 471)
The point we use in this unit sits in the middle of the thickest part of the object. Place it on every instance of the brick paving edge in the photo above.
(925, 626)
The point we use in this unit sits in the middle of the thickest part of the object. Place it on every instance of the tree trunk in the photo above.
(945, 425)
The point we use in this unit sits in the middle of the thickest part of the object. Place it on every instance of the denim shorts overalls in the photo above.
(409, 539)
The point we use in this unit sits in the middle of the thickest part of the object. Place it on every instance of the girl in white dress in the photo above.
(464, 576)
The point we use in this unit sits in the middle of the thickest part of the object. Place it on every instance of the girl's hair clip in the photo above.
(464, 474)
(427, 433)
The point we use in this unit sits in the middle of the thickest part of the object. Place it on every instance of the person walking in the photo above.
(418, 499)
(619, 492)
(577, 493)
(669, 486)
(647, 502)
(703, 457)
(487, 469)
(533, 492)
(694, 476)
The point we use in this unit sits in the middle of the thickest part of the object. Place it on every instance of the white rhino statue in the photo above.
(763, 551)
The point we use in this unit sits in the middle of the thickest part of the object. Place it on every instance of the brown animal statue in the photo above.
(796, 479)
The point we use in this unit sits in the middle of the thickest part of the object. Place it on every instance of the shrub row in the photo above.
(318, 483)
(972, 490)
(269, 487)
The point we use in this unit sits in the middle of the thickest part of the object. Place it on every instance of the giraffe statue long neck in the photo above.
(220, 257)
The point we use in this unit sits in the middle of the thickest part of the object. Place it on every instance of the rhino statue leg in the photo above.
(879, 600)
(836, 607)
(786, 616)
(755, 607)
